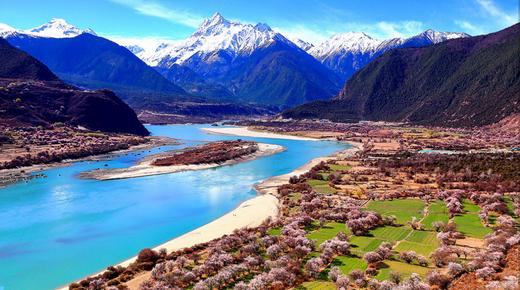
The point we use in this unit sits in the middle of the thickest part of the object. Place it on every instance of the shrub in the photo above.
(147, 255)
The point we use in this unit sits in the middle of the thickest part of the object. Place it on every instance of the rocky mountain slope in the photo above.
(470, 81)
(30, 94)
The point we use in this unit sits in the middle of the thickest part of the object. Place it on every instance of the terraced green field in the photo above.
(391, 234)
(470, 225)
(436, 212)
(422, 242)
(511, 208)
(317, 182)
(403, 268)
(347, 264)
(296, 196)
(317, 285)
(403, 209)
(469, 206)
(338, 167)
(321, 186)
(325, 175)
(362, 244)
(423, 237)
(420, 249)
(327, 232)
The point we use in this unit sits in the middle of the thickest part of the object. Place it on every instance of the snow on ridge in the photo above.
(306, 46)
(345, 42)
(6, 30)
(360, 42)
(216, 34)
(219, 34)
(55, 28)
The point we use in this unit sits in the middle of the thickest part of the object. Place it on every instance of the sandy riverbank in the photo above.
(250, 213)
(145, 167)
(270, 185)
(246, 132)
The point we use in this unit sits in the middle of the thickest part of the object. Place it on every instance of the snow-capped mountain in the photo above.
(55, 28)
(58, 28)
(302, 43)
(348, 52)
(6, 30)
(135, 49)
(254, 62)
(436, 36)
(425, 38)
(82, 58)
(345, 42)
(215, 34)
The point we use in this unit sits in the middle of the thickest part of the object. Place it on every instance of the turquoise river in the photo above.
(57, 229)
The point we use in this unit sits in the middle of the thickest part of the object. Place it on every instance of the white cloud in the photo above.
(397, 29)
(148, 43)
(304, 33)
(156, 9)
(491, 9)
(469, 27)
(499, 19)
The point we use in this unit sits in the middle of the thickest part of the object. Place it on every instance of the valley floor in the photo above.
(383, 213)
(249, 214)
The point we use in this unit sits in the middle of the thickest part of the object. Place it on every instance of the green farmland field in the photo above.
(327, 232)
(436, 212)
(403, 209)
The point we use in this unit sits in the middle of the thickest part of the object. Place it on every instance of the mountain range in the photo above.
(253, 62)
(218, 42)
(222, 52)
(55, 28)
(222, 62)
(81, 58)
(471, 81)
(30, 94)
(348, 52)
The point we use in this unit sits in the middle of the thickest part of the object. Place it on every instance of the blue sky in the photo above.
(310, 20)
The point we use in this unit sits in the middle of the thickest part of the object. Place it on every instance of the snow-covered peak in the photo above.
(57, 28)
(213, 21)
(360, 42)
(5, 27)
(306, 46)
(345, 42)
(6, 30)
(263, 27)
(135, 49)
(426, 37)
(216, 34)
(436, 36)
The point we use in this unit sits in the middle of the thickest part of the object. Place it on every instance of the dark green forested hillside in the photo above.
(463, 82)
